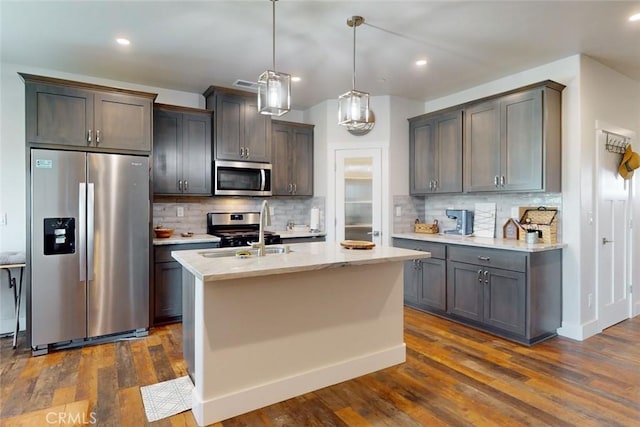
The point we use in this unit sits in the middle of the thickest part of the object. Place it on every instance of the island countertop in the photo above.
(302, 257)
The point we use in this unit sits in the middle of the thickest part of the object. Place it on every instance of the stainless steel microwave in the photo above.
(241, 178)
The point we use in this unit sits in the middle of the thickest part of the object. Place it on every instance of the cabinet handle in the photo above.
(495, 180)
(246, 152)
(295, 188)
(486, 277)
(480, 275)
(89, 137)
(242, 152)
(186, 185)
(484, 258)
(180, 185)
(98, 137)
(502, 181)
(290, 189)
(435, 184)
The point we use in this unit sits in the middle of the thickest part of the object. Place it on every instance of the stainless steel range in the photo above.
(238, 229)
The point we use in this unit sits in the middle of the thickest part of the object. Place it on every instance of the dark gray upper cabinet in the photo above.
(435, 153)
(512, 142)
(241, 133)
(181, 151)
(62, 112)
(292, 159)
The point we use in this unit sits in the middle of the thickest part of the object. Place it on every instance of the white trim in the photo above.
(221, 408)
(579, 332)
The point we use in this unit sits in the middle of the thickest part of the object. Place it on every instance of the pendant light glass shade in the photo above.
(274, 88)
(274, 93)
(353, 106)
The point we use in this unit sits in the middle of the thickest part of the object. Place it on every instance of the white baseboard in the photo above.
(579, 332)
(213, 410)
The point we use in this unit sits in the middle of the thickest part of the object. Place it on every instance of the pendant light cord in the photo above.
(273, 59)
(353, 81)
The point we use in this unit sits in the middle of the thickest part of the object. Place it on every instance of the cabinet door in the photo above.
(196, 153)
(422, 146)
(167, 303)
(522, 155)
(122, 122)
(257, 133)
(58, 114)
(482, 147)
(505, 300)
(301, 147)
(465, 290)
(448, 154)
(229, 117)
(433, 287)
(412, 283)
(281, 184)
(167, 151)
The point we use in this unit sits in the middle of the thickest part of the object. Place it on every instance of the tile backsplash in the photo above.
(283, 209)
(433, 207)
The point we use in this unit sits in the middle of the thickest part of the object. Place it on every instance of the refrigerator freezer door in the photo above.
(118, 243)
(58, 296)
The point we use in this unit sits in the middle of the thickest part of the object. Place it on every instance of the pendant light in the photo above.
(274, 88)
(353, 106)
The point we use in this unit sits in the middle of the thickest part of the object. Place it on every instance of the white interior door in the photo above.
(358, 205)
(612, 238)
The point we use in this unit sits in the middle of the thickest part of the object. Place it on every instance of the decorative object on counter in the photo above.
(357, 244)
(314, 221)
(353, 106)
(301, 228)
(543, 220)
(274, 88)
(484, 221)
(511, 229)
(630, 162)
(464, 221)
(426, 228)
(186, 234)
(163, 233)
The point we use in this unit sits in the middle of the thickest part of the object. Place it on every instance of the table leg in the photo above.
(18, 301)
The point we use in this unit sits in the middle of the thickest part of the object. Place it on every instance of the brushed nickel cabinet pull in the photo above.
(480, 275)
(98, 137)
(484, 258)
(89, 138)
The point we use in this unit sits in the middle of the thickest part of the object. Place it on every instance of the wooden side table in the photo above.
(9, 260)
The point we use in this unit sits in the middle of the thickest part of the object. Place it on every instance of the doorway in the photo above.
(358, 206)
(613, 231)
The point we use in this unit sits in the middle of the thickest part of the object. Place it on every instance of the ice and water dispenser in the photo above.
(59, 236)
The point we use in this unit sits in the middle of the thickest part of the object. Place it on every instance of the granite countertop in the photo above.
(303, 257)
(287, 234)
(177, 239)
(482, 242)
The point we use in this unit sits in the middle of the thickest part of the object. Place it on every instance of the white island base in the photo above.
(262, 339)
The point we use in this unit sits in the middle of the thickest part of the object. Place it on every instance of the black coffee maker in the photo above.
(464, 221)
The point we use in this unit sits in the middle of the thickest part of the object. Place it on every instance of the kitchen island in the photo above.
(259, 330)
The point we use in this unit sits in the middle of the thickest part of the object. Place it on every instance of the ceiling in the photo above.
(189, 45)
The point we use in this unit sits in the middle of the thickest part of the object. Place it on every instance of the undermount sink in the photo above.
(244, 252)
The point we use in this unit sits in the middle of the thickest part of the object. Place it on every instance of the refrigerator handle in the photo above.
(82, 229)
(90, 230)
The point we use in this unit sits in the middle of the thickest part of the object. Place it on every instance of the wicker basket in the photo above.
(544, 219)
(427, 228)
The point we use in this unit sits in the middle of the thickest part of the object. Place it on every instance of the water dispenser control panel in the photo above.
(59, 236)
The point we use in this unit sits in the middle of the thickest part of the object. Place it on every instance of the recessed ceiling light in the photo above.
(421, 62)
(123, 41)
(634, 17)
(295, 79)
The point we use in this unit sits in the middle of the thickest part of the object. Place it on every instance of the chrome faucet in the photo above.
(260, 243)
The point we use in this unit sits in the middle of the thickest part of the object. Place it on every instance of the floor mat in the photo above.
(167, 398)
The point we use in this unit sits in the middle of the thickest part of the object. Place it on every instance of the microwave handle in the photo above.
(263, 179)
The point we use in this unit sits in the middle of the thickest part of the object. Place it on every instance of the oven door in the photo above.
(242, 179)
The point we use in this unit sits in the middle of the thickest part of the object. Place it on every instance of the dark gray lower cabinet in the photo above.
(516, 295)
(425, 285)
(166, 295)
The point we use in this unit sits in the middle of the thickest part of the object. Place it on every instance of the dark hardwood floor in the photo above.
(454, 375)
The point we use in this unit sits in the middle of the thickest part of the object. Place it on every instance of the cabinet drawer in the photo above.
(506, 260)
(163, 252)
(438, 250)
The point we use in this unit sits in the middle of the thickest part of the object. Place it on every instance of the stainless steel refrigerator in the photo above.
(89, 221)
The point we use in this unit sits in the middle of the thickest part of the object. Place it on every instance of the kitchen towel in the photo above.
(314, 222)
(167, 398)
(484, 220)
